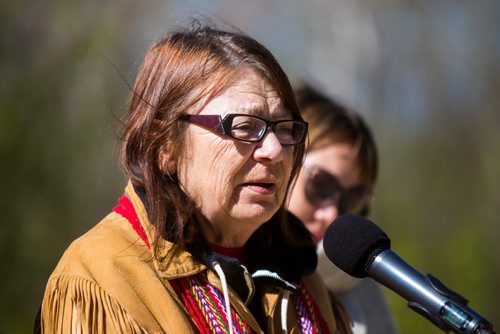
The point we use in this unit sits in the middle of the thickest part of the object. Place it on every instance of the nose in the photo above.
(325, 216)
(269, 149)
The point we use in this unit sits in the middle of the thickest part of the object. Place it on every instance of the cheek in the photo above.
(298, 203)
(213, 169)
(222, 166)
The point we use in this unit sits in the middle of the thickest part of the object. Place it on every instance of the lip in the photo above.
(260, 187)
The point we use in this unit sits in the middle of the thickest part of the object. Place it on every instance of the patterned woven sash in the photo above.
(205, 303)
(308, 312)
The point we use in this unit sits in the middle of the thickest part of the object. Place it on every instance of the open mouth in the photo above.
(260, 187)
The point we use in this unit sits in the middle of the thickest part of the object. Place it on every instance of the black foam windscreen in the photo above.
(352, 242)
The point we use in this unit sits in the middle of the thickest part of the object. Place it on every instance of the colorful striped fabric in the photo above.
(308, 312)
(206, 305)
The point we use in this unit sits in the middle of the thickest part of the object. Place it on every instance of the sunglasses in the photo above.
(323, 188)
(252, 129)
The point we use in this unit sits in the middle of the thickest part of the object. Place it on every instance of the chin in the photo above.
(258, 213)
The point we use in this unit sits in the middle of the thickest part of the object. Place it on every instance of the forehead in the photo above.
(248, 93)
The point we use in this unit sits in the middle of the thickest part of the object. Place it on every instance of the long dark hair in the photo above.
(179, 74)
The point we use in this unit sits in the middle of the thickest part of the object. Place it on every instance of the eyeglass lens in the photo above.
(251, 128)
(324, 188)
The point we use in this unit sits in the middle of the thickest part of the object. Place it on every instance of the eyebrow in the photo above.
(254, 109)
(284, 113)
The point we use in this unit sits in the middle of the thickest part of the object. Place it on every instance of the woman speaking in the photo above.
(200, 241)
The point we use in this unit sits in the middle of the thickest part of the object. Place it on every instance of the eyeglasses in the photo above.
(323, 188)
(248, 128)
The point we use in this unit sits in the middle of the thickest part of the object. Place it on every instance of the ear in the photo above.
(168, 164)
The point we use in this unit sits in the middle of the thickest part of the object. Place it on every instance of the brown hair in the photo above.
(330, 123)
(179, 74)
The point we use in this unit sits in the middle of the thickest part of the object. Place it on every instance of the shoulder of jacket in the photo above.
(110, 241)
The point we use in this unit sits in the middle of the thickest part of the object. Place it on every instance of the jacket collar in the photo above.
(170, 260)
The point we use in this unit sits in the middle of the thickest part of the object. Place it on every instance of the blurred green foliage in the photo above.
(65, 68)
(438, 200)
(57, 138)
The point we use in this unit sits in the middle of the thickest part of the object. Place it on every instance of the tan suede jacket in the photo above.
(108, 281)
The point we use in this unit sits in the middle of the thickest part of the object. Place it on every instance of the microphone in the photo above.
(361, 249)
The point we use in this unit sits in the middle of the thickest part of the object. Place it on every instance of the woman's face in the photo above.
(237, 185)
(338, 160)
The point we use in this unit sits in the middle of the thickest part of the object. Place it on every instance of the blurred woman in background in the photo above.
(338, 177)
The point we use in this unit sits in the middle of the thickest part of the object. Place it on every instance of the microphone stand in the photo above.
(428, 296)
(452, 315)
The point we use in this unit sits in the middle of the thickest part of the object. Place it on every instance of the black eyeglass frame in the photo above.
(223, 125)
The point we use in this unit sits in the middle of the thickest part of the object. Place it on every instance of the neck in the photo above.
(236, 252)
(230, 237)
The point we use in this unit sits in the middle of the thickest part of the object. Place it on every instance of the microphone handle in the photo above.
(427, 295)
